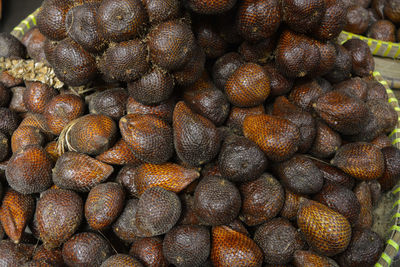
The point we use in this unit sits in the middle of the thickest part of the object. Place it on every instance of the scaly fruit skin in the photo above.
(231, 248)
(121, 260)
(149, 250)
(211, 6)
(325, 230)
(277, 137)
(304, 258)
(392, 167)
(363, 161)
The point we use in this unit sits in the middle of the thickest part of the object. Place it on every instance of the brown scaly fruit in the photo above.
(363, 63)
(53, 256)
(361, 160)
(125, 226)
(111, 102)
(277, 137)
(119, 154)
(17, 100)
(364, 196)
(383, 30)
(342, 67)
(11, 47)
(9, 122)
(279, 84)
(126, 177)
(392, 10)
(302, 16)
(356, 19)
(224, 67)
(355, 87)
(326, 141)
(334, 175)
(291, 205)
(160, 10)
(37, 95)
(231, 248)
(238, 115)
(332, 22)
(149, 250)
(391, 174)
(208, 37)
(4, 146)
(4, 96)
(325, 230)
(13, 254)
(164, 110)
(309, 258)
(304, 93)
(211, 6)
(121, 260)
(25, 136)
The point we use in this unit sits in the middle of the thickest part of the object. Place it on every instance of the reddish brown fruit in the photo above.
(257, 20)
(391, 174)
(149, 138)
(334, 175)
(262, 200)
(125, 226)
(171, 44)
(110, 102)
(363, 63)
(9, 121)
(163, 110)
(13, 254)
(361, 160)
(248, 86)
(382, 141)
(149, 250)
(126, 177)
(383, 30)
(187, 245)
(53, 256)
(10, 81)
(354, 87)
(327, 52)
(15, 213)
(170, 176)
(52, 151)
(332, 22)
(216, 201)
(209, 39)
(363, 193)
(196, 138)
(326, 141)
(277, 137)
(279, 84)
(304, 93)
(291, 205)
(51, 18)
(279, 240)
(29, 170)
(211, 6)
(302, 16)
(356, 19)
(343, 65)
(104, 204)
(25, 136)
(158, 210)
(376, 90)
(161, 10)
(121, 260)
(59, 212)
(231, 248)
(392, 11)
(304, 258)
(37, 121)
(325, 230)
(35, 263)
(192, 70)
(224, 67)
(119, 154)
(120, 20)
(238, 115)
(86, 248)
(79, 172)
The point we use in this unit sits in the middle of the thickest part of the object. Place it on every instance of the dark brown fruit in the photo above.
(216, 201)
(343, 65)
(53, 256)
(17, 100)
(356, 19)
(86, 249)
(382, 141)
(343, 113)
(325, 85)
(91, 134)
(300, 175)
(238, 226)
(72, 64)
(391, 174)
(238, 115)
(4, 96)
(327, 52)
(149, 250)
(208, 102)
(278, 239)
(193, 68)
(209, 39)
(291, 205)
(104, 204)
(126, 177)
(302, 16)
(241, 160)
(25, 136)
(302, 119)
(231, 248)
(15, 213)
(383, 30)
(9, 121)
(11, 47)
(120, 20)
(29, 170)
(59, 212)
(260, 52)
(121, 260)
(35, 263)
(248, 86)
(361, 57)
(196, 138)
(4, 146)
(257, 20)
(304, 258)
(169, 176)
(61, 110)
(279, 84)
(211, 6)
(326, 141)
(158, 210)
(354, 87)
(125, 61)
(262, 200)
(48, 49)
(334, 175)
(119, 154)
(164, 110)
(385, 115)
(160, 10)
(8, 80)
(37, 121)
(125, 226)
(376, 90)
(325, 230)
(392, 10)
(365, 249)
(149, 138)
(364, 196)
(37, 95)
(187, 245)
(340, 199)
(361, 160)
(13, 254)
(51, 18)
(277, 137)
(171, 44)
(152, 88)
(110, 102)
(224, 67)
(376, 191)
(79, 172)
(304, 93)
(296, 54)
(332, 22)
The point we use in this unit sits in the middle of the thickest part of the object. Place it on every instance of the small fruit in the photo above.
(149, 250)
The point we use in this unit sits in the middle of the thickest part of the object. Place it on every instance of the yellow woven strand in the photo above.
(393, 244)
(33, 18)
(393, 99)
(378, 46)
(397, 189)
(396, 203)
(378, 265)
(395, 228)
(397, 53)
(386, 258)
(26, 24)
(395, 141)
(396, 215)
(397, 130)
(388, 50)
(19, 29)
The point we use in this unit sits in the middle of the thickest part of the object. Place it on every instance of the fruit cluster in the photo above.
(208, 133)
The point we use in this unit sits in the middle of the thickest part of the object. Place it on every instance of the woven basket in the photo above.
(393, 234)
